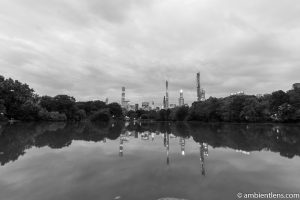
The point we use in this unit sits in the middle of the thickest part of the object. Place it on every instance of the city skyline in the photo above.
(90, 49)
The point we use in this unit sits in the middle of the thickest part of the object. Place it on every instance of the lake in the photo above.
(147, 161)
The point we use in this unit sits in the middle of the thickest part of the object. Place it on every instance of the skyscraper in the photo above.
(123, 97)
(200, 91)
(164, 102)
(124, 102)
(167, 95)
(181, 99)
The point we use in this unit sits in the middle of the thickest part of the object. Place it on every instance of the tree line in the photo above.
(279, 106)
(20, 102)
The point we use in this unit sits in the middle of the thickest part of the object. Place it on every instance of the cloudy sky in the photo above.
(90, 49)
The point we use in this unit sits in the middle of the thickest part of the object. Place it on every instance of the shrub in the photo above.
(101, 115)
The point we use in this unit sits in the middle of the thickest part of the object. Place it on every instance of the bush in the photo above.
(80, 115)
(43, 114)
(56, 116)
(101, 115)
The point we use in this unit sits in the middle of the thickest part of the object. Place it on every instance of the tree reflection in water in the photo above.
(285, 139)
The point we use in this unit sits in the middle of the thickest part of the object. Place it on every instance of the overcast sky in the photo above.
(89, 49)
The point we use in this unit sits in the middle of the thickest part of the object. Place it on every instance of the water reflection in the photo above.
(244, 138)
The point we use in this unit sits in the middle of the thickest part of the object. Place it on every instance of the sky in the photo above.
(90, 49)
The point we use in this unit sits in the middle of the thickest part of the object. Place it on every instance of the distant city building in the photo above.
(172, 105)
(123, 97)
(167, 95)
(136, 107)
(124, 102)
(181, 99)
(106, 101)
(131, 107)
(164, 103)
(296, 86)
(238, 93)
(259, 95)
(152, 106)
(145, 106)
(200, 91)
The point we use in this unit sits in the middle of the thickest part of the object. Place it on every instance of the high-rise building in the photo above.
(124, 102)
(181, 99)
(200, 91)
(123, 97)
(106, 101)
(136, 107)
(296, 86)
(167, 95)
(164, 102)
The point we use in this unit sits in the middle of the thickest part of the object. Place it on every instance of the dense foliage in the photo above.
(18, 101)
(279, 106)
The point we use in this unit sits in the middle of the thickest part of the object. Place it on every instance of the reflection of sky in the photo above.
(89, 170)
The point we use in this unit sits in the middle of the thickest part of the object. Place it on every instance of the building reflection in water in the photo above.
(281, 139)
(152, 136)
(121, 147)
(203, 152)
(123, 139)
(167, 145)
(203, 147)
(182, 145)
(145, 136)
(243, 152)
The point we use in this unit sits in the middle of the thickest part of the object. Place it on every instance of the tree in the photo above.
(278, 98)
(294, 98)
(14, 94)
(115, 110)
(48, 103)
(182, 113)
(65, 104)
(101, 115)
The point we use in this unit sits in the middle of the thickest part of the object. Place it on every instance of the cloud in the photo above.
(90, 49)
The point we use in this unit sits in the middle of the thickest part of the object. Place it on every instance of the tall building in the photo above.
(164, 102)
(136, 107)
(181, 99)
(124, 102)
(167, 95)
(152, 106)
(296, 86)
(123, 97)
(200, 91)
(106, 101)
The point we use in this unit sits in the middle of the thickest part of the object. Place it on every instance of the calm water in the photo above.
(147, 161)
